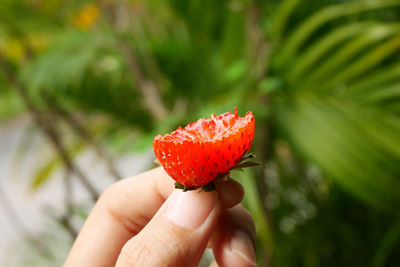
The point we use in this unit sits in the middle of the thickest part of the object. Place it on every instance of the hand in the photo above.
(143, 221)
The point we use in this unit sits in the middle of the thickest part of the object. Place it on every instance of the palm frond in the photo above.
(321, 48)
(335, 61)
(299, 36)
(345, 140)
(364, 63)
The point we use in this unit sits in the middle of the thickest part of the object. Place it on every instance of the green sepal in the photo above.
(184, 187)
(179, 186)
(248, 156)
(205, 188)
(248, 164)
(237, 169)
(222, 177)
(208, 187)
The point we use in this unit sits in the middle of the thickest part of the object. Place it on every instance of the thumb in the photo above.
(177, 235)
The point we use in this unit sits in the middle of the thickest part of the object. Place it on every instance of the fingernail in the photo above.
(242, 245)
(189, 209)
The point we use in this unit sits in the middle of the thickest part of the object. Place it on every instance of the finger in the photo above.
(235, 217)
(214, 264)
(118, 215)
(233, 240)
(122, 211)
(230, 193)
(178, 233)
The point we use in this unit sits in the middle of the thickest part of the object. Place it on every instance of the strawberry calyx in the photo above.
(242, 163)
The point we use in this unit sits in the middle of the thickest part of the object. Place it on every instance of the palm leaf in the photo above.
(336, 60)
(364, 63)
(295, 40)
(390, 92)
(376, 79)
(76, 51)
(319, 49)
(342, 138)
(388, 243)
(281, 17)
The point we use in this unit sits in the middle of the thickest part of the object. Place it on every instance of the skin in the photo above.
(143, 221)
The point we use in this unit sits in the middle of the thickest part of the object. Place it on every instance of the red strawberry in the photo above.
(195, 155)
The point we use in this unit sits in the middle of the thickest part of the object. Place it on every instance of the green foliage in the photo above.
(43, 174)
(321, 77)
(10, 104)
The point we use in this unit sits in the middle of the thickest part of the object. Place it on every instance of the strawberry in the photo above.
(206, 149)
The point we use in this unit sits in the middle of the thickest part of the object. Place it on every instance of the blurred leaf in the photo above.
(76, 51)
(318, 49)
(384, 93)
(376, 79)
(365, 62)
(253, 202)
(355, 159)
(270, 85)
(10, 104)
(335, 61)
(235, 72)
(310, 25)
(389, 240)
(281, 17)
(44, 173)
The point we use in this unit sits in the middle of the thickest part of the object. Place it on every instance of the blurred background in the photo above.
(86, 85)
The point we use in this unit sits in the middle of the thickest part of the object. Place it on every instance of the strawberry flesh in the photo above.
(195, 155)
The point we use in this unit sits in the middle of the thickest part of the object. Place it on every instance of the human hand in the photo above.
(143, 221)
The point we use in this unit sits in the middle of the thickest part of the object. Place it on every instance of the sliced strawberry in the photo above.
(195, 155)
